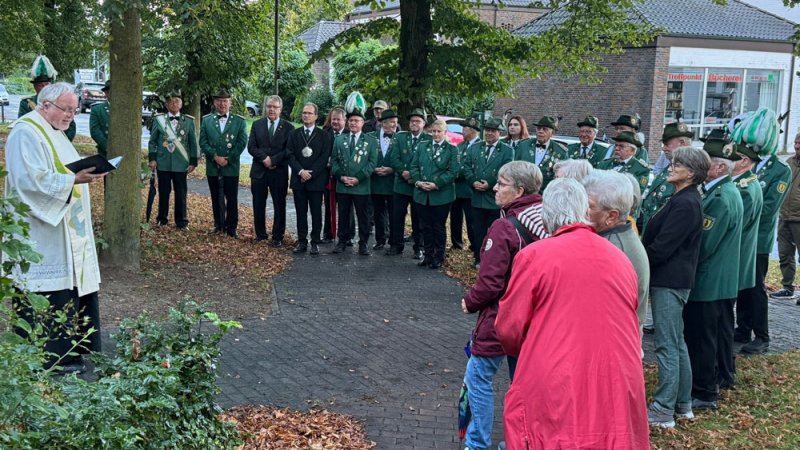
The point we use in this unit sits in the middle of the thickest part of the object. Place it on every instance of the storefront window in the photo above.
(684, 95)
(723, 90)
(761, 90)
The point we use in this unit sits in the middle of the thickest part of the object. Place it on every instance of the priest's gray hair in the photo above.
(610, 191)
(564, 202)
(522, 174)
(51, 92)
(726, 162)
(576, 169)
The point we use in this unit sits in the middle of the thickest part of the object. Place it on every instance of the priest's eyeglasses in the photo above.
(74, 112)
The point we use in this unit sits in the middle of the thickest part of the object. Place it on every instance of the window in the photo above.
(761, 90)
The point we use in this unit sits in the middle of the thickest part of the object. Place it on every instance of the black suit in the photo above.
(308, 194)
(274, 180)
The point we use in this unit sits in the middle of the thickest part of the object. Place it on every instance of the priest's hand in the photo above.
(86, 176)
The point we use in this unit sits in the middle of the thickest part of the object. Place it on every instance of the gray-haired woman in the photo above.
(577, 169)
(672, 242)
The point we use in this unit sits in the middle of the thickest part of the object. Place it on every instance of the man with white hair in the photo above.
(708, 316)
(625, 159)
(587, 148)
(60, 219)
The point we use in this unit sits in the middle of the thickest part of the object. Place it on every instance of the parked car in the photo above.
(253, 110)
(89, 93)
(453, 129)
(3, 95)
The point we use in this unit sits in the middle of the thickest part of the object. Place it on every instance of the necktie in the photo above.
(514, 144)
(540, 146)
(584, 152)
(271, 128)
(352, 141)
(388, 136)
(223, 116)
(307, 133)
(413, 141)
(489, 152)
(437, 147)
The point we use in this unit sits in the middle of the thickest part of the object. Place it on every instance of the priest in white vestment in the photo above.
(60, 217)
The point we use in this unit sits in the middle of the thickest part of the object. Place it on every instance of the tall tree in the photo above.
(21, 26)
(123, 199)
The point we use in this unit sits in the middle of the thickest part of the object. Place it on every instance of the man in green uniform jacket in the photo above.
(223, 138)
(173, 155)
(480, 168)
(461, 209)
(353, 160)
(98, 121)
(587, 148)
(708, 315)
(403, 149)
(544, 152)
(382, 180)
(625, 161)
(42, 74)
(659, 190)
(631, 124)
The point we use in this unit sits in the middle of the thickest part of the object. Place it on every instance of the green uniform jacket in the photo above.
(158, 145)
(774, 178)
(228, 143)
(400, 159)
(596, 153)
(555, 152)
(752, 202)
(525, 146)
(634, 166)
(641, 154)
(28, 104)
(382, 185)
(98, 126)
(437, 166)
(358, 162)
(463, 188)
(654, 197)
(477, 168)
(717, 276)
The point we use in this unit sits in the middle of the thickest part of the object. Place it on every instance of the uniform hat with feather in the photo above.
(43, 70)
(355, 105)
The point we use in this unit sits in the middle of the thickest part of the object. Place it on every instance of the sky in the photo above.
(776, 7)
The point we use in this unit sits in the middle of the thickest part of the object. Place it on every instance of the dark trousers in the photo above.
(433, 220)
(752, 304)
(275, 185)
(461, 210)
(345, 204)
(482, 218)
(381, 209)
(400, 204)
(327, 230)
(305, 201)
(788, 243)
(167, 181)
(81, 311)
(708, 332)
(225, 203)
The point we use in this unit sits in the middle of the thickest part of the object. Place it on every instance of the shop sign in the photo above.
(761, 78)
(725, 77)
(684, 76)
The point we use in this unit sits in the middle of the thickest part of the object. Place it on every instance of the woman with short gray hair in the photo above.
(577, 169)
(549, 322)
(672, 241)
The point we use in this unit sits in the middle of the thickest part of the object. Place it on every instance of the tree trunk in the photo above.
(416, 33)
(123, 201)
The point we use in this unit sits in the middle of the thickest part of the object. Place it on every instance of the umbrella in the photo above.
(332, 198)
(464, 413)
(151, 196)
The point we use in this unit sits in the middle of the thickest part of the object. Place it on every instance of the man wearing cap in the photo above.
(173, 155)
(308, 151)
(752, 204)
(545, 152)
(708, 315)
(630, 124)
(337, 123)
(42, 74)
(480, 169)
(461, 209)
(625, 160)
(355, 155)
(223, 138)
(269, 173)
(587, 148)
(659, 190)
(382, 179)
(375, 124)
(405, 145)
(98, 121)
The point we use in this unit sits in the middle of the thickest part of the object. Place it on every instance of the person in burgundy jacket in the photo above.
(517, 194)
(572, 323)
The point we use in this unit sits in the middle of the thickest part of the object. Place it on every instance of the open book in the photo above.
(98, 161)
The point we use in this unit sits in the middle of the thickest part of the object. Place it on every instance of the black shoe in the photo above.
(363, 250)
(741, 337)
(277, 244)
(314, 249)
(233, 234)
(349, 243)
(391, 251)
(407, 238)
(648, 328)
(378, 246)
(783, 294)
(301, 248)
(417, 254)
(260, 239)
(326, 241)
(340, 248)
(757, 347)
(435, 265)
(425, 263)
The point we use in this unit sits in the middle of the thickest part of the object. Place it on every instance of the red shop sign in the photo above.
(725, 77)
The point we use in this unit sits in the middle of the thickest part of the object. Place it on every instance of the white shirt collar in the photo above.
(713, 182)
(357, 135)
(310, 130)
(472, 142)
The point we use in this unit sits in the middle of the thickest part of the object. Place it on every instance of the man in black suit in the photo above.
(269, 173)
(308, 150)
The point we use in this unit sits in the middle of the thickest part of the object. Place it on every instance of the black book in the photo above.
(98, 161)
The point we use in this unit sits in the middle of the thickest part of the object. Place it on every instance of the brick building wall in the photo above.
(635, 83)
(508, 18)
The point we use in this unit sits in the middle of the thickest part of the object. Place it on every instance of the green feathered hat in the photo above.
(43, 70)
(355, 105)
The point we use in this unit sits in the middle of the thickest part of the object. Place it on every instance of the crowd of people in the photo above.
(571, 242)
